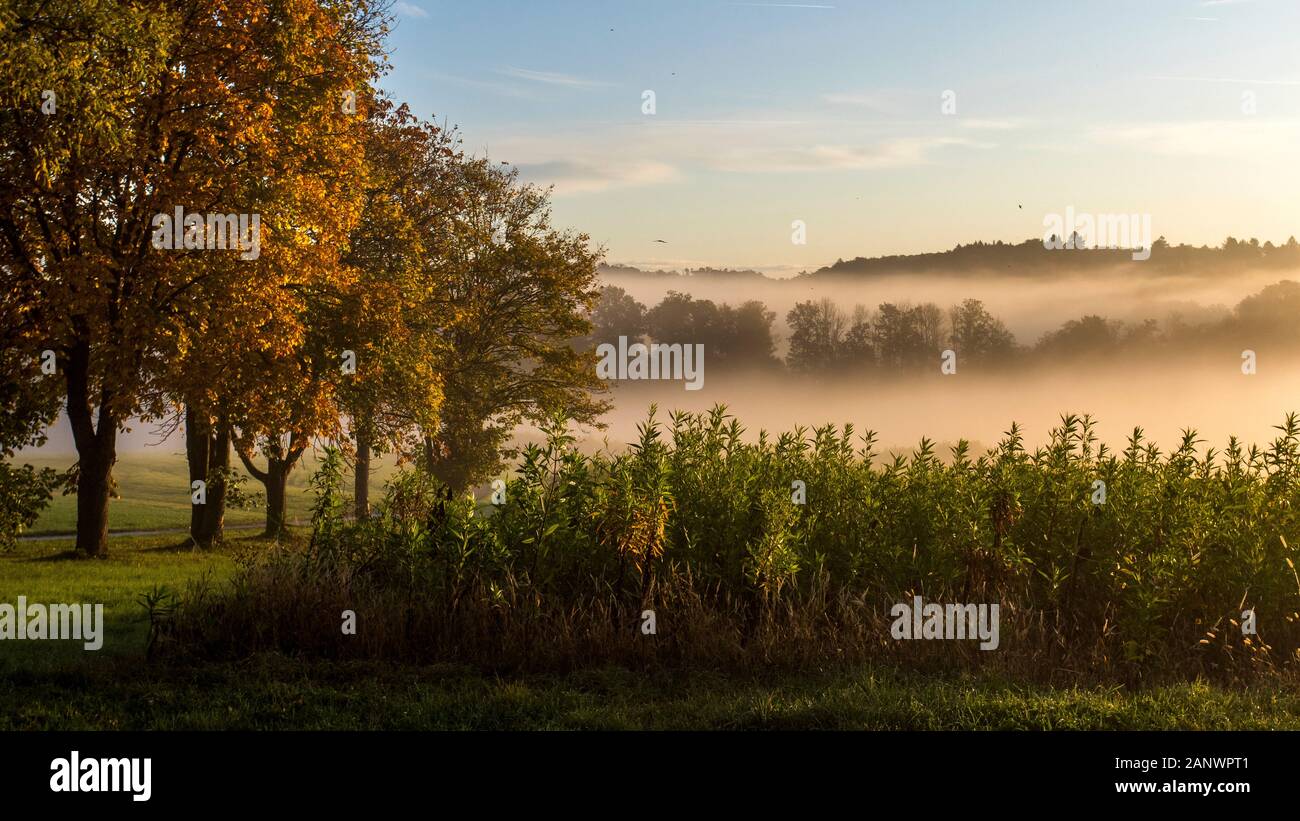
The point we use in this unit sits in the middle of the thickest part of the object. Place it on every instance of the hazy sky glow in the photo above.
(831, 113)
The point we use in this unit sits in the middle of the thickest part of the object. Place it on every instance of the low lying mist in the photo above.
(1030, 306)
(1163, 391)
(1216, 399)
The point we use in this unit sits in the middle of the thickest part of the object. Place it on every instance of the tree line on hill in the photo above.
(826, 339)
(1029, 258)
(1032, 258)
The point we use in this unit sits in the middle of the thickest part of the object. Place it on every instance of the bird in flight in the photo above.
(664, 241)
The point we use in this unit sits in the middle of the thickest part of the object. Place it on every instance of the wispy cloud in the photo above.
(598, 156)
(1246, 137)
(893, 101)
(894, 153)
(875, 100)
(504, 89)
(410, 10)
(786, 5)
(551, 78)
(1237, 80)
(738, 123)
(582, 176)
(1006, 124)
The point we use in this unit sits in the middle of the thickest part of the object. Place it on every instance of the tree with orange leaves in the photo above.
(370, 345)
(113, 113)
(398, 321)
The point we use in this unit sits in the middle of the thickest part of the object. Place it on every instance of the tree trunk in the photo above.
(96, 452)
(279, 464)
(443, 465)
(277, 479)
(213, 528)
(361, 482)
(93, 491)
(197, 453)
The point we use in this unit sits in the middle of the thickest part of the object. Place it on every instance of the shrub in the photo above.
(699, 525)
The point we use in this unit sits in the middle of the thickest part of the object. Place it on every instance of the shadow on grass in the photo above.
(74, 555)
(69, 555)
(227, 545)
(186, 545)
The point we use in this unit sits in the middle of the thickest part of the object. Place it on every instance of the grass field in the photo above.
(271, 692)
(57, 685)
(49, 571)
(154, 494)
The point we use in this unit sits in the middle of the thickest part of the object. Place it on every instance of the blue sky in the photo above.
(831, 113)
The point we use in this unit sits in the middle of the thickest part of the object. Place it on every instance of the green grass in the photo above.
(276, 693)
(49, 571)
(57, 685)
(155, 494)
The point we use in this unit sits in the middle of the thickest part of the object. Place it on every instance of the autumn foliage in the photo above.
(378, 242)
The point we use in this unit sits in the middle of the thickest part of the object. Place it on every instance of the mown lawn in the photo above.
(50, 572)
(154, 491)
(58, 685)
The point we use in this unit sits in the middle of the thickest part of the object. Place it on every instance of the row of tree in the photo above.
(733, 337)
(407, 298)
(1031, 258)
(826, 339)
(823, 338)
